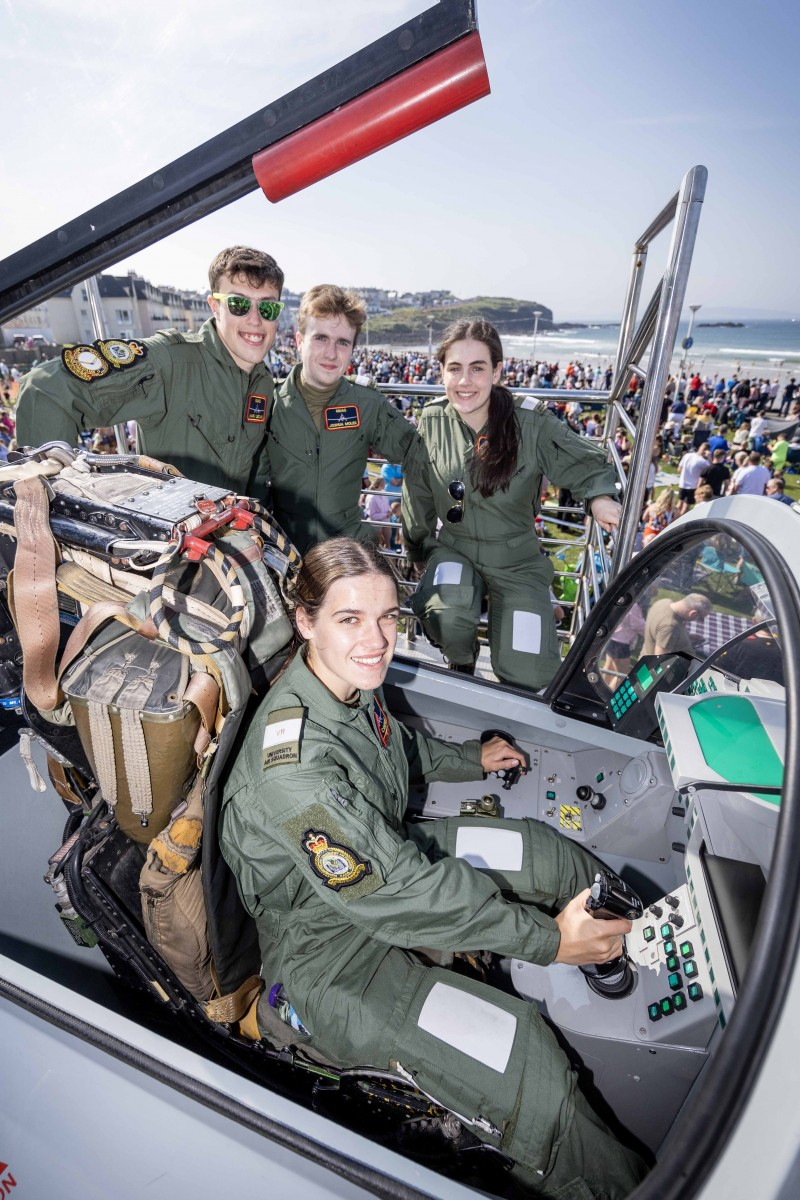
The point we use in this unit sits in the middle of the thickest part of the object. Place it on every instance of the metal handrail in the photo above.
(671, 295)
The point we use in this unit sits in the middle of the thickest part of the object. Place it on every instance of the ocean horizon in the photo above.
(760, 347)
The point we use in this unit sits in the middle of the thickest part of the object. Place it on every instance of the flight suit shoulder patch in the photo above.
(531, 404)
(330, 858)
(283, 736)
(90, 362)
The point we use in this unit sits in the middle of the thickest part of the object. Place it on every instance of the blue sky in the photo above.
(598, 108)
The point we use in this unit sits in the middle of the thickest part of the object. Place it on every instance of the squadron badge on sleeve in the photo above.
(93, 362)
(338, 865)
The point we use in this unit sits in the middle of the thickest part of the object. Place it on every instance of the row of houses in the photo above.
(134, 308)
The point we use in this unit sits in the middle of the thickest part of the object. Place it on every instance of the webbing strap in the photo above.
(16, 472)
(135, 764)
(103, 750)
(33, 592)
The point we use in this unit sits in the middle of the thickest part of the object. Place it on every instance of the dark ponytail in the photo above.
(493, 466)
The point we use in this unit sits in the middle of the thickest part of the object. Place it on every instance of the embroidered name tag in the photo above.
(88, 363)
(338, 865)
(342, 416)
(381, 720)
(283, 734)
(256, 410)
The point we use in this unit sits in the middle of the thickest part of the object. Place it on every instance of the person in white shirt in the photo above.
(757, 426)
(751, 479)
(690, 469)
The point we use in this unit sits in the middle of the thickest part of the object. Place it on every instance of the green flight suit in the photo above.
(494, 550)
(195, 408)
(315, 475)
(342, 891)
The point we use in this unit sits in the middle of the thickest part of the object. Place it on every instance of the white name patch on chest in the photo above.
(469, 1024)
(287, 731)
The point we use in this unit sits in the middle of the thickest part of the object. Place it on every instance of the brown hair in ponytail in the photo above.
(493, 468)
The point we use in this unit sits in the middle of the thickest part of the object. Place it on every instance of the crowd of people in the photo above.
(717, 437)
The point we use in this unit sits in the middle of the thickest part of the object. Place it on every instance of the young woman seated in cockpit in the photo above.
(345, 893)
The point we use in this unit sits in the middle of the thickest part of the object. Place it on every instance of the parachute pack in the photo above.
(142, 609)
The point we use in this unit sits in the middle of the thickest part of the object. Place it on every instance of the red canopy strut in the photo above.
(434, 88)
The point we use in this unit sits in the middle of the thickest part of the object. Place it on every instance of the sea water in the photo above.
(761, 348)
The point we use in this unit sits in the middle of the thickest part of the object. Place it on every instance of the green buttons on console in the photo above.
(695, 992)
(674, 980)
(648, 933)
(666, 1006)
(690, 968)
(666, 931)
(672, 962)
(550, 795)
(669, 947)
(654, 1012)
(679, 1002)
(687, 949)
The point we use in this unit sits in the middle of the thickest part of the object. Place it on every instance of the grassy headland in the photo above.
(409, 326)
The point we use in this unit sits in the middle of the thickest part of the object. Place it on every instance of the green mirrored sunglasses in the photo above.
(239, 306)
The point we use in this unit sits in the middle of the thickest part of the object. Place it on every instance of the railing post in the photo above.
(673, 293)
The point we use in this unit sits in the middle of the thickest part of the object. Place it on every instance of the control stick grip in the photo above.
(511, 774)
(611, 899)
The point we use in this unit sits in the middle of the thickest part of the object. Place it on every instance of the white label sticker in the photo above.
(526, 634)
(530, 402)
(492, 849)
(286, 731)
(469, 1024)
(448, 572)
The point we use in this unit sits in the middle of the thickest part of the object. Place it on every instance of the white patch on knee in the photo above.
(469, 1024)
(448, 572)
(498, 849)
(526, 632)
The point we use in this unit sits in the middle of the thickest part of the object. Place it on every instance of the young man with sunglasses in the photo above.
(200, 400)
(323, 427)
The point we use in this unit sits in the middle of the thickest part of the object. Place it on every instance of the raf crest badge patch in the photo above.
(93, 362)
(481, 445)
(256, 410)
(381, 720)
(283, 734)
(342, 416)
(338, 865)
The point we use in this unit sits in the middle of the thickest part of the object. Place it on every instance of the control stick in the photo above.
(510, 775)
(611, 899)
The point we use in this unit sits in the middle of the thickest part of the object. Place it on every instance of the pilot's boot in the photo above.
(463, 668)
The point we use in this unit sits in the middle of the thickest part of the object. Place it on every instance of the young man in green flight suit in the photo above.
(200, 399)
(323, 427)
